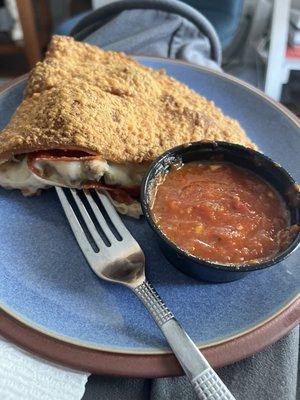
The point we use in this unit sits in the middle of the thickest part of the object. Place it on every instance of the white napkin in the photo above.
(26, 377)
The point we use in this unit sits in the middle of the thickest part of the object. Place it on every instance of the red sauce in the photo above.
(220, 212)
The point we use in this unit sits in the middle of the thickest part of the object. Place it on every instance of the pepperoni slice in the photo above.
(60, 155)
(56, 155)
(117, 193)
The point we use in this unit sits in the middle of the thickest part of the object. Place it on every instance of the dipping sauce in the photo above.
(220, 212)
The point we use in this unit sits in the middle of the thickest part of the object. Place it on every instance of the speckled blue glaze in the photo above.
(45, 280)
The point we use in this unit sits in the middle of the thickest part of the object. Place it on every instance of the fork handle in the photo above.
(204, 379)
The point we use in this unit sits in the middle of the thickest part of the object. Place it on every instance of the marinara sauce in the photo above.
(220, 212)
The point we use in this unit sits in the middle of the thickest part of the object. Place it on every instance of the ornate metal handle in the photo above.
(207, 384)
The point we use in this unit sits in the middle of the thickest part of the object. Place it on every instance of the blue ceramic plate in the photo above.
(46, 283)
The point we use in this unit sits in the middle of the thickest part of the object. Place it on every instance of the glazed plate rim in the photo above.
(147, 351)
(280, 314)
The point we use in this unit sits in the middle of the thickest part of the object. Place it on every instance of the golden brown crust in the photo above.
(81, 97)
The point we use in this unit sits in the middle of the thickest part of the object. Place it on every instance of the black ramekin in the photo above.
(241, 156)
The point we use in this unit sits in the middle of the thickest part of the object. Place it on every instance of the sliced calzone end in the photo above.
(41, 170)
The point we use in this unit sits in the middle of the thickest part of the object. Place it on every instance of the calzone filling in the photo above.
(40, 170)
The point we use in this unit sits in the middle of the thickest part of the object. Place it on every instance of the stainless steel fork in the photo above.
(114, 255)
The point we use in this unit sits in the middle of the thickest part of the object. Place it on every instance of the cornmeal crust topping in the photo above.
(105, 103)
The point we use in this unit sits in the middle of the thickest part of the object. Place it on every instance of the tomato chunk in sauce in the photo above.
(220, 212)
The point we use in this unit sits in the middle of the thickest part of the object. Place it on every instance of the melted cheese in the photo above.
(132, 210)
(125, 175)
(15, 174)
(71, 173)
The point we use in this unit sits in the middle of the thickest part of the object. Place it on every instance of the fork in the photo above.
(114, 255)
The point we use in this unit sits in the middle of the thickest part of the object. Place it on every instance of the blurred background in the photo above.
(260, 38)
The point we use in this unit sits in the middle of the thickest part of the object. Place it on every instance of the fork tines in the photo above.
(93, 218)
